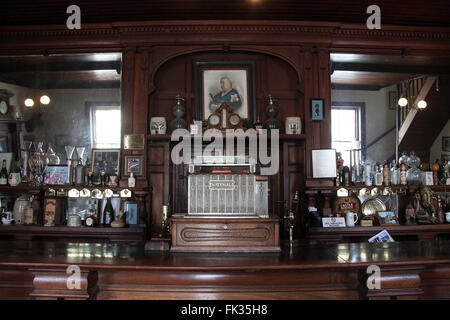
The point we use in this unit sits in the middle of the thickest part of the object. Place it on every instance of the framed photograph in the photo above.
(131, 210)
(446, 144)
(231, 82)
(133, 142)
(107, 160)
(324, 163)
(393, 100)
(133, 163)
(56, 174)
(4, 144)
(387, 218)
(317, 109)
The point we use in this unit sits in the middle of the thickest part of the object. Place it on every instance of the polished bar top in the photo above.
(128, 257)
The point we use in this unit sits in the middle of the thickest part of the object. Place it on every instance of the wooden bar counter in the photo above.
(51, 270)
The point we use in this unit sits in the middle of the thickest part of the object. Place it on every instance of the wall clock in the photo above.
(224, 118)
(4, 107)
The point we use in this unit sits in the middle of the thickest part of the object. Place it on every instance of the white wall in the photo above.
(379, 118)
(436, 147)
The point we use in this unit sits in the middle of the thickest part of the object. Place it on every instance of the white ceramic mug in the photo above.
(8, 218)
(351, 218)
(14, 179)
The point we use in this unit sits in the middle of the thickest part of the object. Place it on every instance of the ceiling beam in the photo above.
(386, 68)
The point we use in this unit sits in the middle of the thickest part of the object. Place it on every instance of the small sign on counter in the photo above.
(333, 222)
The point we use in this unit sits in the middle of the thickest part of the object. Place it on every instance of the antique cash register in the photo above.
(227, 208)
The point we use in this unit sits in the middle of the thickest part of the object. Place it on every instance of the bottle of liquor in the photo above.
(3, 174)
(386, 174)
(79, 173)
(346, 176)
(368, 174)
(108, 213)
(395, 174)
(403, 169)
(378, 176)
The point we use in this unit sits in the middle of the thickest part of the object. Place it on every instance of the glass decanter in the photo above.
(414, 174)
(38, 163)
(52, 157)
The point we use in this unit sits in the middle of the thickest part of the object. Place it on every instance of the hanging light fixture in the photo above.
(45, 99)
(402, 102)
(422, 104)
(29, 103)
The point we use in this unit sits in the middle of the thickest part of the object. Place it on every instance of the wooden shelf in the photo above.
(28, 188)
(282, 137)
(412, 189)
(423, 232)
(127, 234)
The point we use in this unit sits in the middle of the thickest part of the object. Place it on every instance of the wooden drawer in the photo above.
(225, 234)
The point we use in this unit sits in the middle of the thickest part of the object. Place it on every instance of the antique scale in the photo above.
(227, 202)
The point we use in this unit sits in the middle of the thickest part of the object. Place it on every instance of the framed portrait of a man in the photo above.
(225, 82)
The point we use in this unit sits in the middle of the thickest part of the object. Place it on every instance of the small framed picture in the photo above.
(107, 160)
(317, 109)
(131, 210)
(387, 218)
(56, 174)
(393, 100)
(133, 163)
(446, 144)
(3, 143)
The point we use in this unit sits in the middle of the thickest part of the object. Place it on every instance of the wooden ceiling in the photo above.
(73, 71)
(349, 71)
(395, 12)
(373, 72)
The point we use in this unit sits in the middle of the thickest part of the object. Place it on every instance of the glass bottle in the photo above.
(386, 174)
(378, 175)
(52, 157)
(395, 174)
(3, 174)
(131, 181)
(403, 179)
(368, 174)
(346, 176)
(108, 213)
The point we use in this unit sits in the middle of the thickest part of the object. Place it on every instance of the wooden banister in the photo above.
(412, 113)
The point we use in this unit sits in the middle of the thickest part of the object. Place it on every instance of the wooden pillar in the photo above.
(315, 64)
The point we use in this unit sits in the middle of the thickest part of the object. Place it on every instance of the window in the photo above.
(347, 130)
(105, 124)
